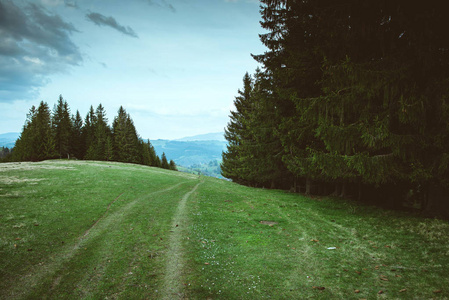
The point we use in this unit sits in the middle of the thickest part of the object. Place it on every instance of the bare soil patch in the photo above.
(269, 223)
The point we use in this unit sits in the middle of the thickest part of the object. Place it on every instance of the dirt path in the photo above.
(173, 287)
(36, 274)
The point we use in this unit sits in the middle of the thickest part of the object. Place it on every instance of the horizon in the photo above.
(190, 138)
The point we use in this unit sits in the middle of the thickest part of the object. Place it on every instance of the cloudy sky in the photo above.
(175, 65)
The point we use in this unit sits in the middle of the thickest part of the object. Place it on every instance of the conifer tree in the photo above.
(24, 144)
(154, 160)
(157, 162)
(98, 149)
(144, 152)
(173, 166)
(88, 131)
(126, 141)
(36, 141)
(62, 128)
(77, 143)
(236, 134)
(164, 162)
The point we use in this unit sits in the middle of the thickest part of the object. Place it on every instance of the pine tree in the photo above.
(157, 162)
(88, 131)
(173, 166)
(126, 141)
(24, 144)
(62, 128)
(36, 141)
(164, 162)
(236, 132)
(98, 149)
(264, 151)
(154, 159)
(77, 142)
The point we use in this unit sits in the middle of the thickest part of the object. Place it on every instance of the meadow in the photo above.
(97, 230)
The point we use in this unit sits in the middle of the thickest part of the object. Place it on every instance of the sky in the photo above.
(174, 65)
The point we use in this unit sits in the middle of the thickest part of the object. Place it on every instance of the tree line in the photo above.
(352, 99)
(54, 134)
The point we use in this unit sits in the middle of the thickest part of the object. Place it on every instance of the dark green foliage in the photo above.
(254, 153)
(36, 141)
(172, 165)
(354, 95)
(88, 131)
(60, 135)
(126, 141)
(5, 154)
(62, 128)
(77, 141)
(236, 133)
(99, 148)
(154, 159)
(164, 162)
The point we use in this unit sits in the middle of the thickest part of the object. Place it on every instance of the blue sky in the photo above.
(175, 65)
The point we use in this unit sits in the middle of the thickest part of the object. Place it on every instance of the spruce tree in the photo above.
(126, 141)
(62, 128)
(236, 134)
(24, 144)
(36, 141)
(172, 165)
(98, 149)
(154, 160)
(77, 142)
(164, 162)
(88, 131)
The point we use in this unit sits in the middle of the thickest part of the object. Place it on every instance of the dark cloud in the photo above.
(162, 3)
(33, 45)
(71, 4)
(102, 20)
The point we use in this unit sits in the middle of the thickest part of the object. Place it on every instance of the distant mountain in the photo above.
(217, 136)
(189, 153)
(8, 139)
(199, 153)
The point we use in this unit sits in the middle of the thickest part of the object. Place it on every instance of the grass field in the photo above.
(97, 230)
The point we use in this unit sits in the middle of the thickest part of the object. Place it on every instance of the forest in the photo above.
(351, 100)
(54, 134)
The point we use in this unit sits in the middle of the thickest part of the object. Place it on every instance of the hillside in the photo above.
(87, 229)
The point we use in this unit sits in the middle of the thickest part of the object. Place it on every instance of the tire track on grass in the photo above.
(37, 274)
(172, 285)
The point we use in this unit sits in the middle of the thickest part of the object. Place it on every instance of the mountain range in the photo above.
(194, 150)
(8, 139)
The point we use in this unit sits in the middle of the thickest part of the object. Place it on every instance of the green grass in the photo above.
(107, 230)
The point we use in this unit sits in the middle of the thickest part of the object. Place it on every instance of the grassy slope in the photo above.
(96, 230)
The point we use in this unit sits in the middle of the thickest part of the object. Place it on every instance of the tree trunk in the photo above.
(343, 190)
(337, 191)
(308, 186)
(359, 187)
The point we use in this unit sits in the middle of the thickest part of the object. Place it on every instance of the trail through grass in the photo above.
(173, 285)
(97, 230)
